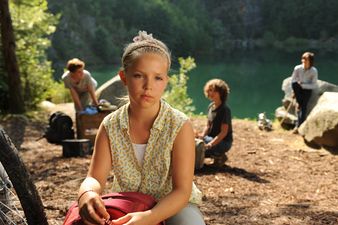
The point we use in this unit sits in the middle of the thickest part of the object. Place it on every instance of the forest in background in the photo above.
(97, 30)
(49, 32)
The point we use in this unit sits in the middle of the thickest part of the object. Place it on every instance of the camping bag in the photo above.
(117, 204)
(60, 128)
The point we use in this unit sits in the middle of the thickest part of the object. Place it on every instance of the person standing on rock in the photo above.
(80, 83)
(217, 134)
(303, 81)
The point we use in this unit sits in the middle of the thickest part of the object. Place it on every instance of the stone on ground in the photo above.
(113, 91)
(321, 126)
(287, 114)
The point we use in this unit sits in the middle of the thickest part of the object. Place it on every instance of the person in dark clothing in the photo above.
(217, 134)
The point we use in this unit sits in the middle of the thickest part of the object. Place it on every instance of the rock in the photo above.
(286, 114)
(113, 91)
(323, 86)
(67, 108)
(321, 126)
(286, 118)
(289, 103)
(46, 105)
(263, 122)
(286, 87)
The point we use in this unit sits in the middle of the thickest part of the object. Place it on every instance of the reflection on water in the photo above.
(255, 82)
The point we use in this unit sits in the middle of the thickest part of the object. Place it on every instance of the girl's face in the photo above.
(306, 62)
(212, 94)
(77, 75)
(146, 79)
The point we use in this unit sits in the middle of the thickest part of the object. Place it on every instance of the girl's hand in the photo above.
(92, 209)
(208, 146)
(199, 135)
(136, 218)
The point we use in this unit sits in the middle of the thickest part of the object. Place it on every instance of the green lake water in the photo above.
(255, 83)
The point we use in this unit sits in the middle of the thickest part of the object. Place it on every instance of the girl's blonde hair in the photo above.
(219, 86)
(143, 43)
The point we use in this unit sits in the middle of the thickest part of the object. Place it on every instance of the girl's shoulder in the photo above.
(314, 69)
(211, 106)
(227, 109)
(116, 115)
(170, 111)
(86, 74)
(298, 67)
(65, 75)
(169, 117)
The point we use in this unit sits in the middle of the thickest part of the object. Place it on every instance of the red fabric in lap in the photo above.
(117, 204)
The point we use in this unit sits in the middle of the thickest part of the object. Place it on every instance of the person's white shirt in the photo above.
(307, 78)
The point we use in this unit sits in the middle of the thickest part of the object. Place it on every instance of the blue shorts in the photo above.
(218, 149)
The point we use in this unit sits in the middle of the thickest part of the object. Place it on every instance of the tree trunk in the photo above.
(16, 103)
(22, 182)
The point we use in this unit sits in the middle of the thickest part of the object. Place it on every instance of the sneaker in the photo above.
(220, 160)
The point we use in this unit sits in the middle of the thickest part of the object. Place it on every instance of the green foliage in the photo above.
(57, 93)
(85, 33)
(269, 39)
(299, 19)
(33, 24)
(177, 95)
(295, 44)
(97, 30)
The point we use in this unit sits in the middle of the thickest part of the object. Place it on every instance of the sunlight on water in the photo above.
(255, 83)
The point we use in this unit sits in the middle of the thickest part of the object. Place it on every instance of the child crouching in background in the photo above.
(217, 135)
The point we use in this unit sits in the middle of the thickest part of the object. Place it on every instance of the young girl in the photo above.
(147, 144)
(217, 134)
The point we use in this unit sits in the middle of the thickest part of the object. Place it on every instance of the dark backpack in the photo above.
(60, 128)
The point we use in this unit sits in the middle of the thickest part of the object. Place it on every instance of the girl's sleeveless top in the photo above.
(154, 176)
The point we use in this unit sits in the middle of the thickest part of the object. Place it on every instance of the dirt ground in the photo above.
(269, 178)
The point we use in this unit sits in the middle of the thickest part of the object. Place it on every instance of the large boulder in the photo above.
(113, 91)
(286, 118)
(321, 125)
(287, 114)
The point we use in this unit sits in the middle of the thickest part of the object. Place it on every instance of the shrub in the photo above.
(177, 95)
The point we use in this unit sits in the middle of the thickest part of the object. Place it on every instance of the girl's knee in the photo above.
(190, 215)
